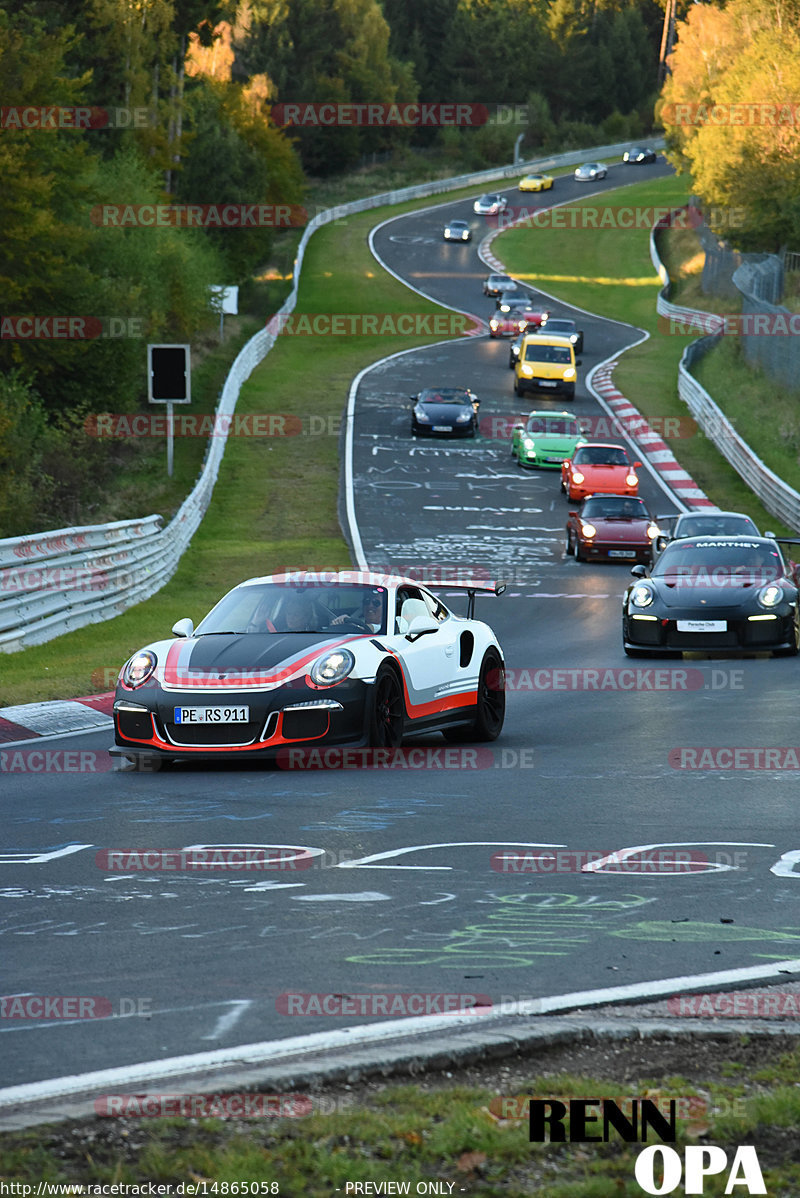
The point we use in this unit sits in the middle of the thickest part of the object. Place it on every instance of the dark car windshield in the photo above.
(553, 426)
(546, 353)
(436, 397)
(559, 326)
(714, 526)
(749, 561)
(289, 607)
(615, 505)
(600, 455)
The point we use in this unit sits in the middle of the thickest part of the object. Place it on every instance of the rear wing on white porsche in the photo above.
(473, 587)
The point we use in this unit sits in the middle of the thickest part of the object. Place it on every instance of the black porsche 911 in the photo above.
(449, 410)
(711, 594)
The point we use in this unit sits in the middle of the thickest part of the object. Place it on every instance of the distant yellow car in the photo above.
(536, 183)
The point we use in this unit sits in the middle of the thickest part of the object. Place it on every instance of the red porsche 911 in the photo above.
(611, 528)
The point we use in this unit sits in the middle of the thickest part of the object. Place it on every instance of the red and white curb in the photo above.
(653, 447)
(58, 717)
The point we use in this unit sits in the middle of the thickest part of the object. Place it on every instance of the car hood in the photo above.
(218, 659)
(553, 444)
(693, 592)
(620, 529)
(443, 413)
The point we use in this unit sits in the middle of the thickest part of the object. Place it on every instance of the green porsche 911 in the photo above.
(545, 439)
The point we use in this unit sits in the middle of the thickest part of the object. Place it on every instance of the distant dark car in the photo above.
(612, 527)
(449, 411)
(703, 524)
(639, 155)
(457, 230)
(713, 594)
(562, 327)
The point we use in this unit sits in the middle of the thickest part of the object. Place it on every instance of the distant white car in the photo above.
(498, 285)
(457, 230)
(590, 171)
(490, 205)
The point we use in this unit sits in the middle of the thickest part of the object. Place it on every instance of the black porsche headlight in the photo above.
(770, 595)
(641, 595)
(332, 667)
(139, 668)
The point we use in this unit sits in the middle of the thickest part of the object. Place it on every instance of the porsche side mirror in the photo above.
(572, 513)
(419, 626)
(639, 571)
(769, 534)
(636, 465)
(183, 627)
(579, 361)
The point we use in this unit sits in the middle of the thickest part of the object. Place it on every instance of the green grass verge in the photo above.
(610, 273)
(451, 1133)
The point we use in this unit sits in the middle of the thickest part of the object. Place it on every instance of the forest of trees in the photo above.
(185, 90)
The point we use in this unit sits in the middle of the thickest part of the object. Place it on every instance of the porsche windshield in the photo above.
(747, 561)
(338, 609)
(457, 397)
(552, 426)
(615, 506)
(600, 455)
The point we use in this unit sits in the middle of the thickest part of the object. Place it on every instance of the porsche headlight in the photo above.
(577, 477)
(494, 324)
(641, 595)
(652, 531)
(421, 415)
(528, 443)
(632, 479)
(463, 417)
(589, 530)
(333, 667)
(139, 668)
(770, 595)
(573, 338)
(526, 370)
(569, 373)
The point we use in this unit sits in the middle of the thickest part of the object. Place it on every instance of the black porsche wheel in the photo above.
(579, 557)
(388, 711)
(570, 545)
(491, 706)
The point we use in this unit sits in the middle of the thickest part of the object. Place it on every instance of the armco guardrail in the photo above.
(92, 574)
(780, 500)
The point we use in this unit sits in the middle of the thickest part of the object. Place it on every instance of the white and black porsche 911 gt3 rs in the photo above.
(305, 659)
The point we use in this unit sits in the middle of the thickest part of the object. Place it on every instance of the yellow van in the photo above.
(546, 363)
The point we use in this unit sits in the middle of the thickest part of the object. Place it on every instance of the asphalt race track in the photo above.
(410, 891)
